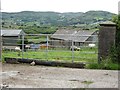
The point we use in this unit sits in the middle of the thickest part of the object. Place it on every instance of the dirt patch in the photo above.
(27, 76)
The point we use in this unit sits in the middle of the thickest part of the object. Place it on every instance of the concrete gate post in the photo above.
(106, 39)
(0, 46)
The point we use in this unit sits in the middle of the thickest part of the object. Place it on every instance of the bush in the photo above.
(115, 51)
(114, 54)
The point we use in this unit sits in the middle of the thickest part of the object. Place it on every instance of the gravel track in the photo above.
(26, 76)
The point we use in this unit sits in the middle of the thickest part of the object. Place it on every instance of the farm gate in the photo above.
(80, 48)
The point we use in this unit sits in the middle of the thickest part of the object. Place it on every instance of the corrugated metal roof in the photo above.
(11, 32)
(77, 36)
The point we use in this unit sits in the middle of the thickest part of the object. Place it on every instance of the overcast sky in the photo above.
(59, 5)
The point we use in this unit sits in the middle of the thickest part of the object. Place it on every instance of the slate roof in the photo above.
(77, 36)
(11, 32)
(108, 23)
(63, 34)
(82, 35)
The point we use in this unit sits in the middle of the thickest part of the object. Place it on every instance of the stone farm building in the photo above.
(11, 37)
(65, 37)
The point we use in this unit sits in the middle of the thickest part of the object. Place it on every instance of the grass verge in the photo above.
(105, 66)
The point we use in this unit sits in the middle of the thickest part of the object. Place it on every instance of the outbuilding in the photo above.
(65, 37)
(11, 37)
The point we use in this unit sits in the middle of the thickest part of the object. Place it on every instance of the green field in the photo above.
(84, 55)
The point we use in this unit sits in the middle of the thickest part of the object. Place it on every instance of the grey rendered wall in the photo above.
(106, 40)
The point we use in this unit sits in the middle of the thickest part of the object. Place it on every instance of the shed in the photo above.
(11, 37)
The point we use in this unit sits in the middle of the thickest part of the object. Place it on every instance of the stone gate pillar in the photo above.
(106, 39)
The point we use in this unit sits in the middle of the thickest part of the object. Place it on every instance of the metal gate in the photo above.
(71, 48)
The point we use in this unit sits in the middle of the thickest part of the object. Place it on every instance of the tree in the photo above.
(115, 52)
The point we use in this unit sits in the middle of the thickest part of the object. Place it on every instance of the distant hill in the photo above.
(55, 18)
(49, 22)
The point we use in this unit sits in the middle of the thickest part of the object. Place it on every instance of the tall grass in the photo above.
(107, 64)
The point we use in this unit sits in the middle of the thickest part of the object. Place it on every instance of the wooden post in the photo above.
(0, 34)
(22, 46)
(47, 38)
(72, 51)
(0, 46)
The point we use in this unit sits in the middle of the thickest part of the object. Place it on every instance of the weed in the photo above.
(87, 82)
